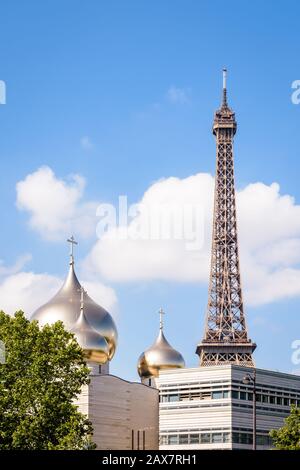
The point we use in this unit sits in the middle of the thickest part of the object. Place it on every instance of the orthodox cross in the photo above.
(72, 242)
(161, 322)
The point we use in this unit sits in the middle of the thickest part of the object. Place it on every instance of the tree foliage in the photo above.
(288, 437)
(43, 373)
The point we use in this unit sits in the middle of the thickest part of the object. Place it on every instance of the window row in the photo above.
(264, 398)
(236, 394)
(204, 438)
(194, 396)
(215, 438)
(245, 438)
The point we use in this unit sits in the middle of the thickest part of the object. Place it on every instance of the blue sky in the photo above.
(102, 71)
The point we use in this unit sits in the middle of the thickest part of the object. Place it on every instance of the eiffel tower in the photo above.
(225, 339)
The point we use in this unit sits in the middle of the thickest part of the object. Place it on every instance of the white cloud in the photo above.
(269, 237)
(26, 291)
(86, 143)
(17, 266)
(55, 205)
(177, 95)
(102, 294)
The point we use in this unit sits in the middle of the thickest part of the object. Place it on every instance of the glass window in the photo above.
(217, 395)
(225, 394)
(164, 440)
(265, 398)
(242, 438)
(263, 440)
(195, 396)
(194, 439)
(258, 397)
(243, 395)
(272, 399)
(235, 394)
(250, 396)
(245, 438)
(286, 402)
(184, 397)
(183, 439)
(173, 397)
(278, 401)
(293, 401)
(205, 438)
(226, 437)
(217, 437)
(173, 439)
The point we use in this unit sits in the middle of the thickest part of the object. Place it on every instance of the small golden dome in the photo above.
(160, 356)
(65, 306)
(95, 347)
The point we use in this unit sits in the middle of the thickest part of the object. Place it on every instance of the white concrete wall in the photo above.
(115, 408)
(205, 415)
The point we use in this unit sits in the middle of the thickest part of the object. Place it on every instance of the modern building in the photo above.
(124, 414)
(211, 407)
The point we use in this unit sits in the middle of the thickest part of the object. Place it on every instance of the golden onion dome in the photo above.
(65, 306)
(94, 345)
(160, 356)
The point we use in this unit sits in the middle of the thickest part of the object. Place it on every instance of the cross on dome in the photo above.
(161, 322)
(72, 242)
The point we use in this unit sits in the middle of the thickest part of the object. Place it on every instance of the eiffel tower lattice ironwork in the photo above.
(225, 340)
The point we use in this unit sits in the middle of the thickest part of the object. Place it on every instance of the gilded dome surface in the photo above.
(160, 356)
(65, 306)
(94, 345)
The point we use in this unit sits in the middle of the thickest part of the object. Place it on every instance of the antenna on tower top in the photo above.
(224, 103)
(224, 77)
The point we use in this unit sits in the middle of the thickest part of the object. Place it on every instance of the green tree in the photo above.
(288, 437)
(43, 373)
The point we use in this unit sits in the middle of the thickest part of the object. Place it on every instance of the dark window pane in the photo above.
(263, 440)
(194, 439)
(183, 439)
(173, 398)
(243, 395)
(205, 438)
(235, 394)
(217, 437)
